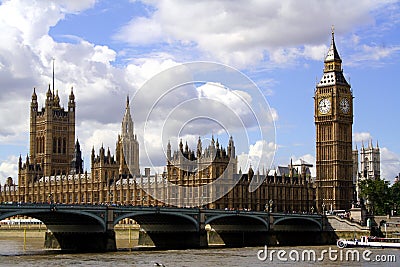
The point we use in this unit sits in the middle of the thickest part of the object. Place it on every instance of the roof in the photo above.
(332, 78)
(332, 53)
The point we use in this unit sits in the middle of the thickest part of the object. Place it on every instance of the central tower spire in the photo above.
(53, 73)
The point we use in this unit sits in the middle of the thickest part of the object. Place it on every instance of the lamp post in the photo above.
(271, 202)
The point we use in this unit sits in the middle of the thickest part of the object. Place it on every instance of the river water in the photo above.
(13, 253)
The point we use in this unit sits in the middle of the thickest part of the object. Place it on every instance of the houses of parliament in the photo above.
(53, 170)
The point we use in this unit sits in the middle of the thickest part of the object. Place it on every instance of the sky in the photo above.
(107, 50)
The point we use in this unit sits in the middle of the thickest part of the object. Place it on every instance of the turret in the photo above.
(231, 148)
(199, 148)
(102, 154)
(71, 102)
(20, 162)
(77, 162)
(49, 97)
(181, 146)
(56, 100)
(92, 156)
(169, 150)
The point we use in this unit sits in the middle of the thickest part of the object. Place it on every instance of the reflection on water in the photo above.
(12, 253)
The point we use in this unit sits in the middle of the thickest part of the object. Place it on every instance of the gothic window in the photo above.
(64, 147)
(59, 145)
(54, 145)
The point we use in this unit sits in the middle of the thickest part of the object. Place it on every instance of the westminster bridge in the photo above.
(91, 227)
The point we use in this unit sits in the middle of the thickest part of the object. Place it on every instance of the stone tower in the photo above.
(52, 134)
(333, 120)
(128, 145)
(370, 162)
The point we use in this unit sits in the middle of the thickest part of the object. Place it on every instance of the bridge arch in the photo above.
(239, 216)
(140, 214)
(165, 228)
(301, 223)
(49, 217)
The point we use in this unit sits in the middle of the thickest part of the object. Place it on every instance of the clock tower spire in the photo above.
(333, 102)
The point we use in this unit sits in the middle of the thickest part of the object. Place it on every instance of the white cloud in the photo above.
(9, 168)
(362, 137)
(309, 159)
(244, 33)
(260, 157)
(141, 31)
(372, 53)
(390, 164)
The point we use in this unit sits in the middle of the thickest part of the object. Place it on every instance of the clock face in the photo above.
(324, 106)
(344, 105)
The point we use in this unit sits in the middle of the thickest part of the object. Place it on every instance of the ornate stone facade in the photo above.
(53, 171)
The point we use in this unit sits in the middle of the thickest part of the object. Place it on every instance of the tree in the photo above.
(395, 196)
(378, 195)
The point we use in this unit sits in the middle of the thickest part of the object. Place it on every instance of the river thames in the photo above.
(13, 253)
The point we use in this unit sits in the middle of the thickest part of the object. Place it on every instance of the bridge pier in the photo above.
(81, 241)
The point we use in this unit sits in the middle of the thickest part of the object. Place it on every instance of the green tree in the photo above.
(378, 195)
(395, 196)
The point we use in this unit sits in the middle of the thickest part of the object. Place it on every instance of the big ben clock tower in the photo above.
(333, 120)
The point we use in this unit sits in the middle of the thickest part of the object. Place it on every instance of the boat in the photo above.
(370, 241)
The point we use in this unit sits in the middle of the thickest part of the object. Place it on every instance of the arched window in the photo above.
(54, 145)
(42, 145)
(59, 145)
(64, 148)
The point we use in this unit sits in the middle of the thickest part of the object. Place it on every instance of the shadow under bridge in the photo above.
(237, 229)
(165, 227)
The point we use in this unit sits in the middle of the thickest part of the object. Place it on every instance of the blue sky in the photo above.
(107, 49)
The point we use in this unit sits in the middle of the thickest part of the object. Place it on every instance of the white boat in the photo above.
(370, 241)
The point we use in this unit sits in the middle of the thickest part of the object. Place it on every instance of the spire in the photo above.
(333, 54)
(127, 122)
(77, 161)
(377, 145)
(49, 95)
(169, 150)
(72, 96)
(34, 96)
(56, 99)
(53, 73)
(181, 145)
(199, 148)
(20, 161)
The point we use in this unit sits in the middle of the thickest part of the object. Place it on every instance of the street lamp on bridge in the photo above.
(270, 203)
